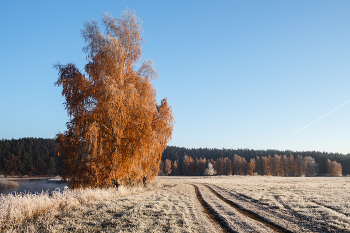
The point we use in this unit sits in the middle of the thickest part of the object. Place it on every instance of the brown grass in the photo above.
(5, 184)
(14, 208)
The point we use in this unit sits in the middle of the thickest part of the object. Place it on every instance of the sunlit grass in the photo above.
(17, 207)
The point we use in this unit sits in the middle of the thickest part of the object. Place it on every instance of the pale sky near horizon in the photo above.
(239, 74)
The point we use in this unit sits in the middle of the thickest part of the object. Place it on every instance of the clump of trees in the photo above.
(270, 166)
(334, 168)
(117, 131)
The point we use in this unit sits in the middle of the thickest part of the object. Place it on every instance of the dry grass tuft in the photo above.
(5, 184)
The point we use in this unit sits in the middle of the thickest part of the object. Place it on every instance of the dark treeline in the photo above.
(29, 156)
(37, 156)
(178, 153)
(269, 166)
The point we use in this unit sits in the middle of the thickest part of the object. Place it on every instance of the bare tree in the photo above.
(312, 166)
(302, 165)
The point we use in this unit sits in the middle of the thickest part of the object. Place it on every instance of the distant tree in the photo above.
(258, 165)
(237, 165)
(244, 166)
(286, 165)
(117, 131)
(161, 168)
(213, 162)
(227, 166)
(302, 165)
(275, 165)
(200, 166)
(293, 166)
(219, 166)
(281, 169)
(174, 168)
(251, 167)
(13, 165)
(266, 164)
(52, 166)
(334, 168)
(210, 171)
(311, 166)
(188, 166)
(167, 167)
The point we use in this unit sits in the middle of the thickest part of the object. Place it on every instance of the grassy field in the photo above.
(188, 204)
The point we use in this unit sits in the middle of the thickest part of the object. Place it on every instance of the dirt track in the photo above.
(232, 217)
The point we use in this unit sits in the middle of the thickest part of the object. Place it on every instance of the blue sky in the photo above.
(239, 74)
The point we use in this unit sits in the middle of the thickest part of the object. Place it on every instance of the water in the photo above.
(34, 186)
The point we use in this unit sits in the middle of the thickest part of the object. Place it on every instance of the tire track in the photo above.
(330, 207)
(287, 219)
(227, 216)
(212, 214)
(250, 214)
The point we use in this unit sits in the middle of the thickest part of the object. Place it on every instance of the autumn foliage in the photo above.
(266, 165)
(117, 131)
(334, 168)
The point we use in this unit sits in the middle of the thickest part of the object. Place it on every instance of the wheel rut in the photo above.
(274, 227)
(211, 214)
(229, 217)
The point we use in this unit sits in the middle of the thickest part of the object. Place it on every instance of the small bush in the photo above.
(5, 184)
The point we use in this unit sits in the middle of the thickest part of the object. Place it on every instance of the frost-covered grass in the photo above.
(169, 204)
(5, 184)
(161, 208)
(322, 200)
(17, 207)
(233, 220)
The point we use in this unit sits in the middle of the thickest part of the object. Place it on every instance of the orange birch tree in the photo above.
(117, 131)
(251, 167)
(334, 168)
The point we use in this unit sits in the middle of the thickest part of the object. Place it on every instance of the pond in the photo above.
(35, 185)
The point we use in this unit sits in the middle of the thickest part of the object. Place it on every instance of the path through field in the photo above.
(276, 204)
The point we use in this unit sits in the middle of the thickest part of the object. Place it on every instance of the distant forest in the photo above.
(29, 156)
(178, 153)
(38, 157)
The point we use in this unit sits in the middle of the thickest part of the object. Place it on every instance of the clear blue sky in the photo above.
(239, 74)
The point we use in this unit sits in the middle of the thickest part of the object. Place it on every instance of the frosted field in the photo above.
(323, 201)
(296, 204)
(189, 204)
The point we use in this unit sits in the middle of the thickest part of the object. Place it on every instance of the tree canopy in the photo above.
(117, 131)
